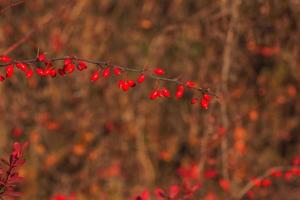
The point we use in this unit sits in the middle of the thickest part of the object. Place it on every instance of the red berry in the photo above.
(125, 87)
(204, 103)
(295, 171)
(17, 132)
(106, 72)
(2, 78)
(296, 161)
(180, 88)
(165, 92)
(68, 61)
(81, 66)
(154, 94)
(121, 83)
(250, 194)
(5, 59)
(95, 76)
(210, 173)
(194, 100)
(174, 191)
(266, 183)
(160, 94)
(41, 57)
(207, 97)
(190, 84)
(69, 68)
(29, 73)
(47, 71)
(22, 66)
(117, 71)
(144, 196)
(276, 173)
(159, 71)
(179, 94)
(257, 182)
(53, 73)
(141, 78)
(288, 175)
(225, 185)
(131, 83)
(9, 71)
(180, 91)
(40, 71)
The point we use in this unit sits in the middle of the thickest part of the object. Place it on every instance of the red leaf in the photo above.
(15, 179)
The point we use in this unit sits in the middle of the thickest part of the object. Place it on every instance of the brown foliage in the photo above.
(95, 141)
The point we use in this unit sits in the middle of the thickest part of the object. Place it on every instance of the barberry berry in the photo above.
(159, 71)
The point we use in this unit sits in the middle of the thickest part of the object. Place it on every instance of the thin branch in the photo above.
(19, 43)
(266, 174)
(14, 4)
(43, 22)
(227, 62)
(103, 64)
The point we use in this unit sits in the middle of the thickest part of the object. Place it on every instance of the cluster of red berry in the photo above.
(265, 51)
(174, 192)
(266, 181)
(45, 68)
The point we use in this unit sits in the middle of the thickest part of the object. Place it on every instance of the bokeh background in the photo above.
(101, 143)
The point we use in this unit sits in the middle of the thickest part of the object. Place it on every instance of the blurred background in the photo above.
(97, 142)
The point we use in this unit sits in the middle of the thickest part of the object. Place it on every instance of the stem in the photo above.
(227, 62)
(11, 5)
(267, 173)
(8, 173)
(101, 63)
